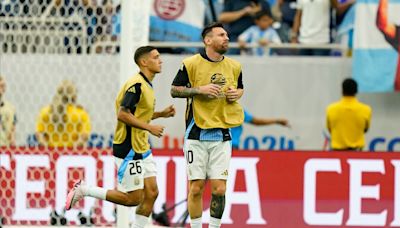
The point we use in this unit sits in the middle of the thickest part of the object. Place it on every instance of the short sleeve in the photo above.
(182, 77)
(247, 117)
(132, 97)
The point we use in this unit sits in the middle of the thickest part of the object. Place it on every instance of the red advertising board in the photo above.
(265, 189)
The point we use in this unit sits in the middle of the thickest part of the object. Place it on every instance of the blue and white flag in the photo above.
(176, 20)
(376, 54)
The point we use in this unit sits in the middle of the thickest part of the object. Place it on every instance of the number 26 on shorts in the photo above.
(135, 167)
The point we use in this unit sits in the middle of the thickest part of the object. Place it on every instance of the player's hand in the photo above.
(283, 122)
(156, 130)
(168, 111)
(232, 94)
(211, 90)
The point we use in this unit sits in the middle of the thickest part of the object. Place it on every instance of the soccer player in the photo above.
(391, 33)
(212, 84)
(136, 168)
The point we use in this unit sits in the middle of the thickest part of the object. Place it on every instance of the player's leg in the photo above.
(195, 202)
(144, 210)
(130, 177)
(217, 204)
(220, 155)
(81, 190)
(196, 165)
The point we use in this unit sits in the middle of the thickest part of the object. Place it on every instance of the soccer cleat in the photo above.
(75, 194)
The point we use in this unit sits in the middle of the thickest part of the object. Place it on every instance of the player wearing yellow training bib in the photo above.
(212, 84)
(135, 165)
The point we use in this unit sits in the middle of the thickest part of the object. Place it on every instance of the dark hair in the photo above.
(349, 87)
(142, 51)
(263, 13)
(209, 27)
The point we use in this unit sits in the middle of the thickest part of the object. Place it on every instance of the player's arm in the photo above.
(167, 112)
(264, 121)
(181, 87)
(382, 21)
(128, 107)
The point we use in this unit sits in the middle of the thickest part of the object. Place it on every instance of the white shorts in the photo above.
(131, 173)
(207, 159)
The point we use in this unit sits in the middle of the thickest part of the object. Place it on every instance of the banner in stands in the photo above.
(265, 189)
(178, 20)
(376, 45)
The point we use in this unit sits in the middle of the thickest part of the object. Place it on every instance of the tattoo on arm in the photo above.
(217, 206)
(182, 91)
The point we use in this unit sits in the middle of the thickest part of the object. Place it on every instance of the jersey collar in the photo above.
(145, 78)
(204, 55)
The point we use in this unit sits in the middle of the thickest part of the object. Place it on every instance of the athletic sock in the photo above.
(94, 191)
(214, 223)
(195, 223)
(140, 221)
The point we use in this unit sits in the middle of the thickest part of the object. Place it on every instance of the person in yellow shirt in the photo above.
(348, 119)
(8, 118)
(63, 123)
(212, 84)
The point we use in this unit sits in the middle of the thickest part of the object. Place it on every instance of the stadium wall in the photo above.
(298, 89)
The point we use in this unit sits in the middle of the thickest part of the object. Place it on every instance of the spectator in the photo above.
(63, 123)
(312, 23)
(236, 132)
(237, 14)
(8, 118)
(260, 34)
(284, 12)
(348, 119)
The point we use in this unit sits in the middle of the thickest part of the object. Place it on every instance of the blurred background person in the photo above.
(236, 132)
(284, 12)
(260, 34)
(348, 119)
(8, 118)
(63, 123)
(312, 23)
(238, 15)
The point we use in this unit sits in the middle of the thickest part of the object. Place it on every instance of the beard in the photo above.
(222, 49)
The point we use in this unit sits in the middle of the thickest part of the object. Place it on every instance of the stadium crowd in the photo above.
(93, 26)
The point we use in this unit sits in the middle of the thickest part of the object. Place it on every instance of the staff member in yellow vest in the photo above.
(135, 165)
(212, 84)
(348, 119)
(8, 118)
